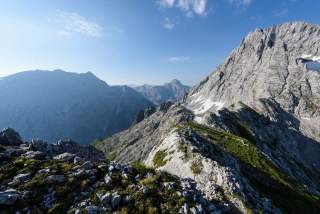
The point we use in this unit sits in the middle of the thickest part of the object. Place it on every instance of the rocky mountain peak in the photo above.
(58, 104)
(269, 63)
(248, 130)
(175, 82)
(172, 91)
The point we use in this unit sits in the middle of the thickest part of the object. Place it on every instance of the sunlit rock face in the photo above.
(246, 128)
(275, 72)
(265, 66)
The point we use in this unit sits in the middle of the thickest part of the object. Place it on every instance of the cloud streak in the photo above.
(281, 13)
(240, 3)
(189, 7)
(168, 24)
(73, 23)
(178, 59)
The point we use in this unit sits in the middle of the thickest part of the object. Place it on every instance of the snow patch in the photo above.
(205, 106)
(198, 119)
(310, 57)
(219, 105)
(305, 118)
(208, 104)
(201, 104)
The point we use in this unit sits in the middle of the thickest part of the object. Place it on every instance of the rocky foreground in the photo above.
(36, 177)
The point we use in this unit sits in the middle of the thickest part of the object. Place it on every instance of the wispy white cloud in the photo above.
(189, 7)
(75, 23)
(199, 6)
(240, 3)
(178, 59)
(167, 3)
(281, 13)
(168, 24)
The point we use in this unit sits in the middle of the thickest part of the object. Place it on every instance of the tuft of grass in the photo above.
(183, 148)
(196, 167)
(140, 167)
(151, 182)
(111, 155)
(159, 158)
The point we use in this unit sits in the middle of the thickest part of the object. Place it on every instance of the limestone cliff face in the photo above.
(248, 135)
(269, 73)
(268, 64)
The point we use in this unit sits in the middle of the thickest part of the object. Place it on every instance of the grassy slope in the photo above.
(286, 193)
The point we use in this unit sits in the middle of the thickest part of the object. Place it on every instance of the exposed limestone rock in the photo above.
(258, 147)
(64, 157)
(55, 178)
(9, 197)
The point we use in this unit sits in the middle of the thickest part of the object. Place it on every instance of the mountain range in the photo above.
(53, 105)
(246, 139)
(172, 91)
(248, 135)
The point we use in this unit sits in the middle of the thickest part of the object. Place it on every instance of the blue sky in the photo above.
(135, 41)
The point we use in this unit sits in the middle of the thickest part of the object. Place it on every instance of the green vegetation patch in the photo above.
(141, 168)
(157, 199)
(240, 148)
(183, 148)
(159, 158)
(285, 192)
(196, 167)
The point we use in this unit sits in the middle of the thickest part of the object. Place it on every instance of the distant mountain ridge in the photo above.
(158, 94)
(57, 104)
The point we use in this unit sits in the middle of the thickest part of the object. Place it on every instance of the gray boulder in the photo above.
(93, 209)
(105, 199)
(55, 178)
(108, 180)
(34, 155)
(22, 177)
(9, 197)
(77, 160)
(115, 200)
(87, 165)
(64, 157)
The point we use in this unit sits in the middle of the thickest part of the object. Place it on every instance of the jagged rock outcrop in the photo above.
(68, 184)
(67, 146)
(9, 137)
(158, 94)
(266, 74)
(247, 135)
(141, 115)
